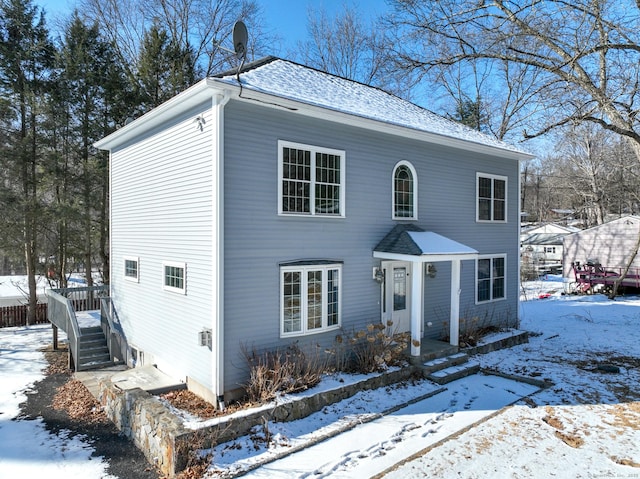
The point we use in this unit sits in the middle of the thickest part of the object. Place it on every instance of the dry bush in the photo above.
(473, 330)
(372, 349)
(282, 371)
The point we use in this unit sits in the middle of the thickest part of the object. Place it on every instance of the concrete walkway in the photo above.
(147, 378)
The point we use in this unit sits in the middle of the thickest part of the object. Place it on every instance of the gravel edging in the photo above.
(124, 459)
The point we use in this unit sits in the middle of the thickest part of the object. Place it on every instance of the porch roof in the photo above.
(408, 242)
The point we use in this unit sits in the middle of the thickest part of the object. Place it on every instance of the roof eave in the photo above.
(425, 258)
(192, 96)
(315, 111)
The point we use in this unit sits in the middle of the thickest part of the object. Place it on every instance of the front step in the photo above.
(444, 376)
(444, 363)
(449, 368)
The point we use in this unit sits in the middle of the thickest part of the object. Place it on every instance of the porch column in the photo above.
(454, 319)
(416, 306)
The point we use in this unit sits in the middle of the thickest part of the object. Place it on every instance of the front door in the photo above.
(396, 295)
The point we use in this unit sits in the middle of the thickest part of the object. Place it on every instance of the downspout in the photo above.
(218, 101)
(519, 211)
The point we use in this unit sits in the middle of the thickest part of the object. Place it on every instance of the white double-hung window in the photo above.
(311, 180)
(491, 278)
(491, 193)
(310, 298)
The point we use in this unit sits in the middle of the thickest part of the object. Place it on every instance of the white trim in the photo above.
(136, 278)
(491, 278)
(313, 150)
(209, 87)
(414, 181)
(425, 258)
(454, 313)
(303, 270)
(492, 177)
(417, 304)
(218, 102)
(173, 289)
(319, 112)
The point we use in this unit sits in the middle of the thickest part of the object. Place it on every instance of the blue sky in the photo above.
(287, 18)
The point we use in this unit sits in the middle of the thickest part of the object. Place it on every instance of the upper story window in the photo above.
(490, 278)
(175, 278)
(131, 269)
(311, 180)
(492, 197)
(405, 194)
(310, 298)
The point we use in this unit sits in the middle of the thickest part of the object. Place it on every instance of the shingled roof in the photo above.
(408, 239)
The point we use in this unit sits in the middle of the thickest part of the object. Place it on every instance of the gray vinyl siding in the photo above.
(161, 210)
(257, 239)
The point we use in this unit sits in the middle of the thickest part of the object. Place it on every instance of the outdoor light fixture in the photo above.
(205, 338)
(378, 275)
(430, 270)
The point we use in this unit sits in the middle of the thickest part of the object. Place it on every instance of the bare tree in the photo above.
(585, 54)
(345, 45)
(196, 26)
(580, 58)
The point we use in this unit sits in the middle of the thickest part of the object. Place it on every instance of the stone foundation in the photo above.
(167, 444)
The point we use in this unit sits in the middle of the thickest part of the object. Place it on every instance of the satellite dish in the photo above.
(240, 39)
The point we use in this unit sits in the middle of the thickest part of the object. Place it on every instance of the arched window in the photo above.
(405, 192)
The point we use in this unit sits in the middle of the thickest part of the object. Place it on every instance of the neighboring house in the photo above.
(610, 245)
(541, 246)
(281, 204)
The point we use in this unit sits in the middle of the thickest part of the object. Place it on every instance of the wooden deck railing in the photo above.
(118, 348)
(62, 306)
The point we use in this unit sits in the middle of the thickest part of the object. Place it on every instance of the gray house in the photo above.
(281, 204)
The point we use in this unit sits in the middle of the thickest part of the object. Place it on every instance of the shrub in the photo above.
(282, 371)
(372, 349)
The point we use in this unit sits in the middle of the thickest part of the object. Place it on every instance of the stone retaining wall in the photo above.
(167, 444)
(519, 337)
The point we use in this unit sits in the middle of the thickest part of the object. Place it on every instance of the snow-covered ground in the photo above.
(586, 425)
(14, 290)
(27, 449)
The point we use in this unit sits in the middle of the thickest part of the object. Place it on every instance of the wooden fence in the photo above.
(17, 315)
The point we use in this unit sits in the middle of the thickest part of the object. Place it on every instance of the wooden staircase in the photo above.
(93, 352)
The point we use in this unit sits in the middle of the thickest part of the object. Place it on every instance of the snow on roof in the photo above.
(408, 239)
(433, 243)
(292, 81)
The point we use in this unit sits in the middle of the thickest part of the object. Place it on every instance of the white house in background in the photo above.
(542, 248)
(280, 204)
(610, 244)
(14, 290)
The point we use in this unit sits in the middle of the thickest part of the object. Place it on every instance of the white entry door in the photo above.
(397, 295)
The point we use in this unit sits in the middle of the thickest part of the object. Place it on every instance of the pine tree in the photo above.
(26, 55)
(164, 68)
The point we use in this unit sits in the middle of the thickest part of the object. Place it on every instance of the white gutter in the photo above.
(218, 102)
(322, 112)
